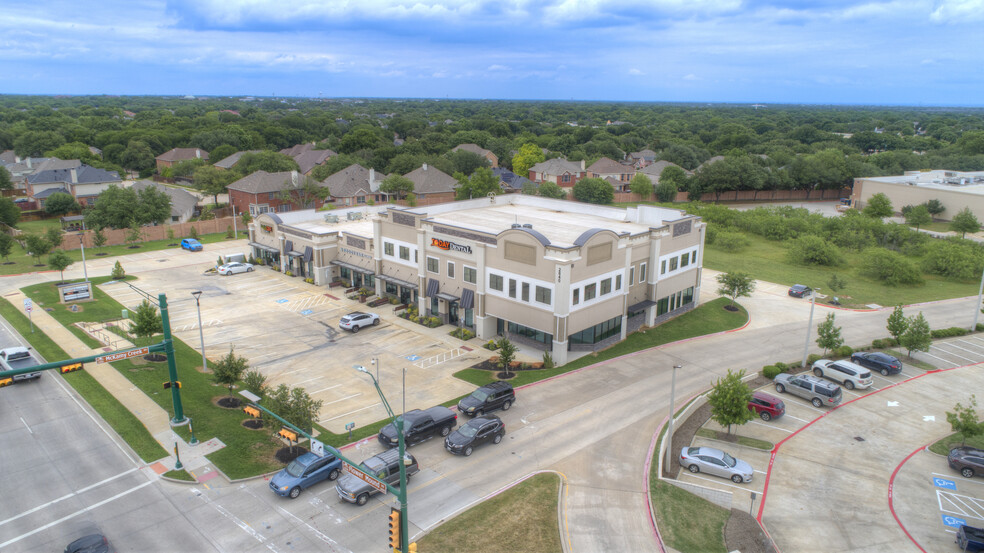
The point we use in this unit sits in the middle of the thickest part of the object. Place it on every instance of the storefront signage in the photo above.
(355, 253)
(267, 228)
(450, 246)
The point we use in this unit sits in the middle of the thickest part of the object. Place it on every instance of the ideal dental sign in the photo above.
(450, 246)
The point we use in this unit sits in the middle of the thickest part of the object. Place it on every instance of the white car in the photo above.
(355, 321)
(850, 375)
(235, 267)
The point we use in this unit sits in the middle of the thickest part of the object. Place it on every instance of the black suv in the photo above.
(488, 398)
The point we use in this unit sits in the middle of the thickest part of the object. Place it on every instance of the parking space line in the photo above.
(796, 418)
(770, 426)
(350, 412)
(959, 348)
(344, 398)
(937, 348)
(323, 389)
(308, 380)
(721, 483)
(962, 481)
(964, 341)
(948, 362)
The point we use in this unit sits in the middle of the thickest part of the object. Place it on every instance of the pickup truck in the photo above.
(970, 538)
(420, 425)
(12, 359)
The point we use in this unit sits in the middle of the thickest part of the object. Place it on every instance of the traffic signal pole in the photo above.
(172, 367)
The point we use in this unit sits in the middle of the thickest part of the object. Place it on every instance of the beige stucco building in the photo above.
(555, 274)
(954, 189)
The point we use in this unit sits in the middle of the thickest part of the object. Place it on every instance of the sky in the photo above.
(897, 52)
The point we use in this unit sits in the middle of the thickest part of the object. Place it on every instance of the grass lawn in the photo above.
(109, 408)
(179, 475)
(687, 522)
(523, 518)
(20, 262)
(766, 260)
(943, 446)
(708, 318)
(38, 226)
(743, 440)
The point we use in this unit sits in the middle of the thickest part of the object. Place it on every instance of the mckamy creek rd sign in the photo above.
(123, 355)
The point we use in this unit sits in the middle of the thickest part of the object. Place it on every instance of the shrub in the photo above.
(889, 267)
(309, 280)
(844, 351)
(288, 273)
(884, 343)
(812, 358)
(950, 258)
(811, 249)
(770, 371)
(548, 362)
(492, 345)
(731, 241)
(118, 272)
(782, 366)
(949, 332)
(710, 234)
(193, 233)
(394, 301)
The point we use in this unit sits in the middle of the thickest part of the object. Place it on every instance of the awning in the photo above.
(295, 254)
(288, 245)
(397, 281)
(308, 253)
(641, 305)
(447, 297)
(264, 248)
(467, 299)
(351, 267)
(433, 287)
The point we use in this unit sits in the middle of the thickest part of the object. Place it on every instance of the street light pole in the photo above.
(977, 309)
(809, 326)
(669, 431)
(85, 273)
(401, 448)
(201, 333)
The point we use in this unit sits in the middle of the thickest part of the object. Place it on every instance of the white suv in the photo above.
(850, 375)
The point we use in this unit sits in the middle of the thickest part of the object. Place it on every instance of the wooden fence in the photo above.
(115, 237)
(747, 196)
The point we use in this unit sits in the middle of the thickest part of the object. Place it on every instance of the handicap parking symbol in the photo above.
(954, 521)
(281, 300)
(945, 484)
(412, 357)
(307, 312)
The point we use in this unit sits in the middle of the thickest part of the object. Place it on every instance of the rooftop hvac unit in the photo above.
(354, 215)
(517, 225)
(331, 218)
(527, 225)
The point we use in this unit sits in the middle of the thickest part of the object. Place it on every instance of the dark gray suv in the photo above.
(497, 395)
(818, 391)
(385, 466)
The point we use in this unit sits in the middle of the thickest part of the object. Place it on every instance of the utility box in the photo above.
(234, 257)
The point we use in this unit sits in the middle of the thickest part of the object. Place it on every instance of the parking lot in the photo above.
(288, 330)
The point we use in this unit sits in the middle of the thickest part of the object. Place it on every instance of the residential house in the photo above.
(432, 184)
(227, 162)
(84, 183)
(355, 185)
(307, 157)
(654, 170)
(617, 174)
(714, 159)
(642, 158)
(177, 155)
(510, 182)
(559, 171)
(262, 192)
(20, 168)
(183, 204)
(478, 150)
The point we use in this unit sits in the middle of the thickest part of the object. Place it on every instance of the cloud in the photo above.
(635, 71)
(690, 77)
(953, 11)
(497, 67)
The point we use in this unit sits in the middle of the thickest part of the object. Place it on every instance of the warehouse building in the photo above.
(954, 189)
(559, 275)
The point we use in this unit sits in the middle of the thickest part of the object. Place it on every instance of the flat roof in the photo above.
(963, 182)
(317, 222)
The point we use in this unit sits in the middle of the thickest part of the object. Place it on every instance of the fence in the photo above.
(747, 196)
(115, 237)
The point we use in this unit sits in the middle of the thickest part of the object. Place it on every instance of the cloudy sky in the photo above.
(909, 52)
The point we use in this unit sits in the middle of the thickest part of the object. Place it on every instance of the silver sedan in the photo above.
(235, 267)
(716, 462)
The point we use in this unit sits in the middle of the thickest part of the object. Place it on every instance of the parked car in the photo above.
(877, 361)
(355, 321)
(191, 244)
(799, 291)
(970, 538)
(93, 543)
(818, 391)
(488, 398)
(419, 426)
(235, 267)
(968, 460)
(478, 431)
(385, 466)
(304, 472)
(850, 375)
(715, 462)
(766, 406)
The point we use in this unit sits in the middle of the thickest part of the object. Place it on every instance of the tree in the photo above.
(295, 405)
(529, 188)
(118, 272)
(137, 156)
(528, 156)
(965, 222)
(552, 190)
(396, 185)
(254, 381)
(37, 245)
(482, 183)
(5, 182)
(133, 235)
(9, 212)
(54, 236)
(836, 282)
(98, 238)
(212, 180)
(6, 245)
(729, 400)
(666, 191)
(467, 162)
(897, 323)
(594, 191)
(935, 207)
(114, 208)
(507, 353)
(59, 261)
(228, 370)
(271, 162)
(964, 420)
(35, 143)
(641, 185)
(735, 285)
(304, 192)
(153, 207)
(918, 216)
(917, 336)
(60, 203)
(828, 335)
(879, 206)
(145, 321)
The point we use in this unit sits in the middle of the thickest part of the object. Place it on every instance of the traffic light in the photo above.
(252, 411)
(394, 529)
(412, 548)
(71, 367)
(288, 434)
(6, 382)
(167, 384)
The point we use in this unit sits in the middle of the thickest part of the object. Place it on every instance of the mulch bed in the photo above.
(226, 402)
(288, 454)
(253, 424)
(155, 357)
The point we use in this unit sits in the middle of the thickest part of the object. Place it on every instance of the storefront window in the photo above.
(598, 332)
(531, 333)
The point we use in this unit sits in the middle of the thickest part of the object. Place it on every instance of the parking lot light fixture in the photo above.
(85, 273)
(201, 332)
(809, 326)
(669, 430)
